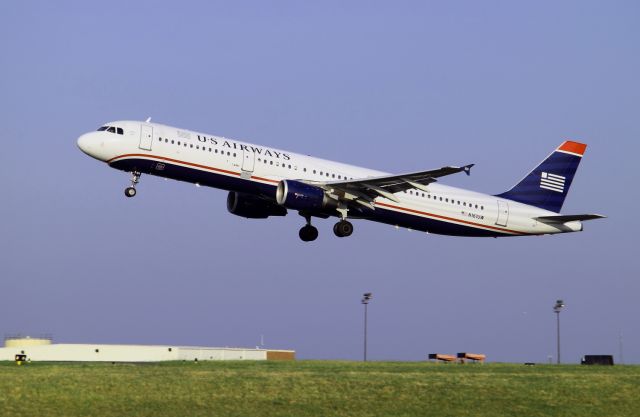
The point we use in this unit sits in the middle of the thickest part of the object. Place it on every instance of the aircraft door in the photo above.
(146, 137)
(503, 213)
(248, 161)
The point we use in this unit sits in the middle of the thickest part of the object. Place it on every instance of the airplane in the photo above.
(263, 182)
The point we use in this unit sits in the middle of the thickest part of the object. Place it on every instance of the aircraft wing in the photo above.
(569, 218)
(365, 190)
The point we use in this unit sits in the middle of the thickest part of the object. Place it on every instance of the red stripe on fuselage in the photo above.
(408, 210)
(449, 219)
(210, 168)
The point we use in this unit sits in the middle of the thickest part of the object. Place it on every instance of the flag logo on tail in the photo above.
(552, 182)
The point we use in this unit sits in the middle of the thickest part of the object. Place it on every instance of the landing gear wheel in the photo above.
(308, 233)
(135, 179)
(130, 192)
(343, 228)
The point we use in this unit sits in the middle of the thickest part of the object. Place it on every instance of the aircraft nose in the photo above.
(83, 143)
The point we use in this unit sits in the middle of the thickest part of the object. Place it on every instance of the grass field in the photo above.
(317, 388)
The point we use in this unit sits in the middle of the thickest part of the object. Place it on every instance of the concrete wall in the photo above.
(129, 353)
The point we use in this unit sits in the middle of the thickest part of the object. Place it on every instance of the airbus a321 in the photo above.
(263, 182)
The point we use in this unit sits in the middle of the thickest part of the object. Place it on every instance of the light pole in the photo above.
(366, 297)
(557, 309)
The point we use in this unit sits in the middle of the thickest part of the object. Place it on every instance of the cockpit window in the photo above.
(111, 129)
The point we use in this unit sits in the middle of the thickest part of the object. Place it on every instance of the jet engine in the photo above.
(251, 207)
(298, 195)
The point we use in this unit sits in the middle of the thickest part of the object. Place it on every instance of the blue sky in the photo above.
(397, 86)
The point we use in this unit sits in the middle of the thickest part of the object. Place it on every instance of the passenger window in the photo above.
(192, 145)
(172, 141)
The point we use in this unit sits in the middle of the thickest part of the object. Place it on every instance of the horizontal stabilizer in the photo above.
(569, 218)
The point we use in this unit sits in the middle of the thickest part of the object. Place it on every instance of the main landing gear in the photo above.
(135, 179)
(343, 228)
(308, 233)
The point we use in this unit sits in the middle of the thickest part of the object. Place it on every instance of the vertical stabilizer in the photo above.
(548, 184)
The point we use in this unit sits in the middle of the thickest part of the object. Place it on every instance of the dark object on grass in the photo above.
(597, 360)
(463, 357)
(442, 357)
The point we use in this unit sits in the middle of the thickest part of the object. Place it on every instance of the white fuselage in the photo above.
(233, 165)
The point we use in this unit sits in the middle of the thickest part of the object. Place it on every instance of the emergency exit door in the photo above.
(248, 160)
(146, 137)
(503, 213)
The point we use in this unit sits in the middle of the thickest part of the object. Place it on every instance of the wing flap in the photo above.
(380, 186)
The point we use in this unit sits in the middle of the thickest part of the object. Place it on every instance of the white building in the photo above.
(44, 350)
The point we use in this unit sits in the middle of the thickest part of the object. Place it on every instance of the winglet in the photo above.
(467, 169)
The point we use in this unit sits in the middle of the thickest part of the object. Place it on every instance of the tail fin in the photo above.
(548, 184)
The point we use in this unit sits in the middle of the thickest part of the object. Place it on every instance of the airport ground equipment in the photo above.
(463, 357)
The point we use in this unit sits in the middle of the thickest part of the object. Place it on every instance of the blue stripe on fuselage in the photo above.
(231, 182)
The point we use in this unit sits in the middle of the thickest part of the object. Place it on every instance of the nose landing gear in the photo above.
(135, 179)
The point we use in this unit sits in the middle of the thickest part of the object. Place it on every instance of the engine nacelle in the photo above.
(297, 195)
(246, 205)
